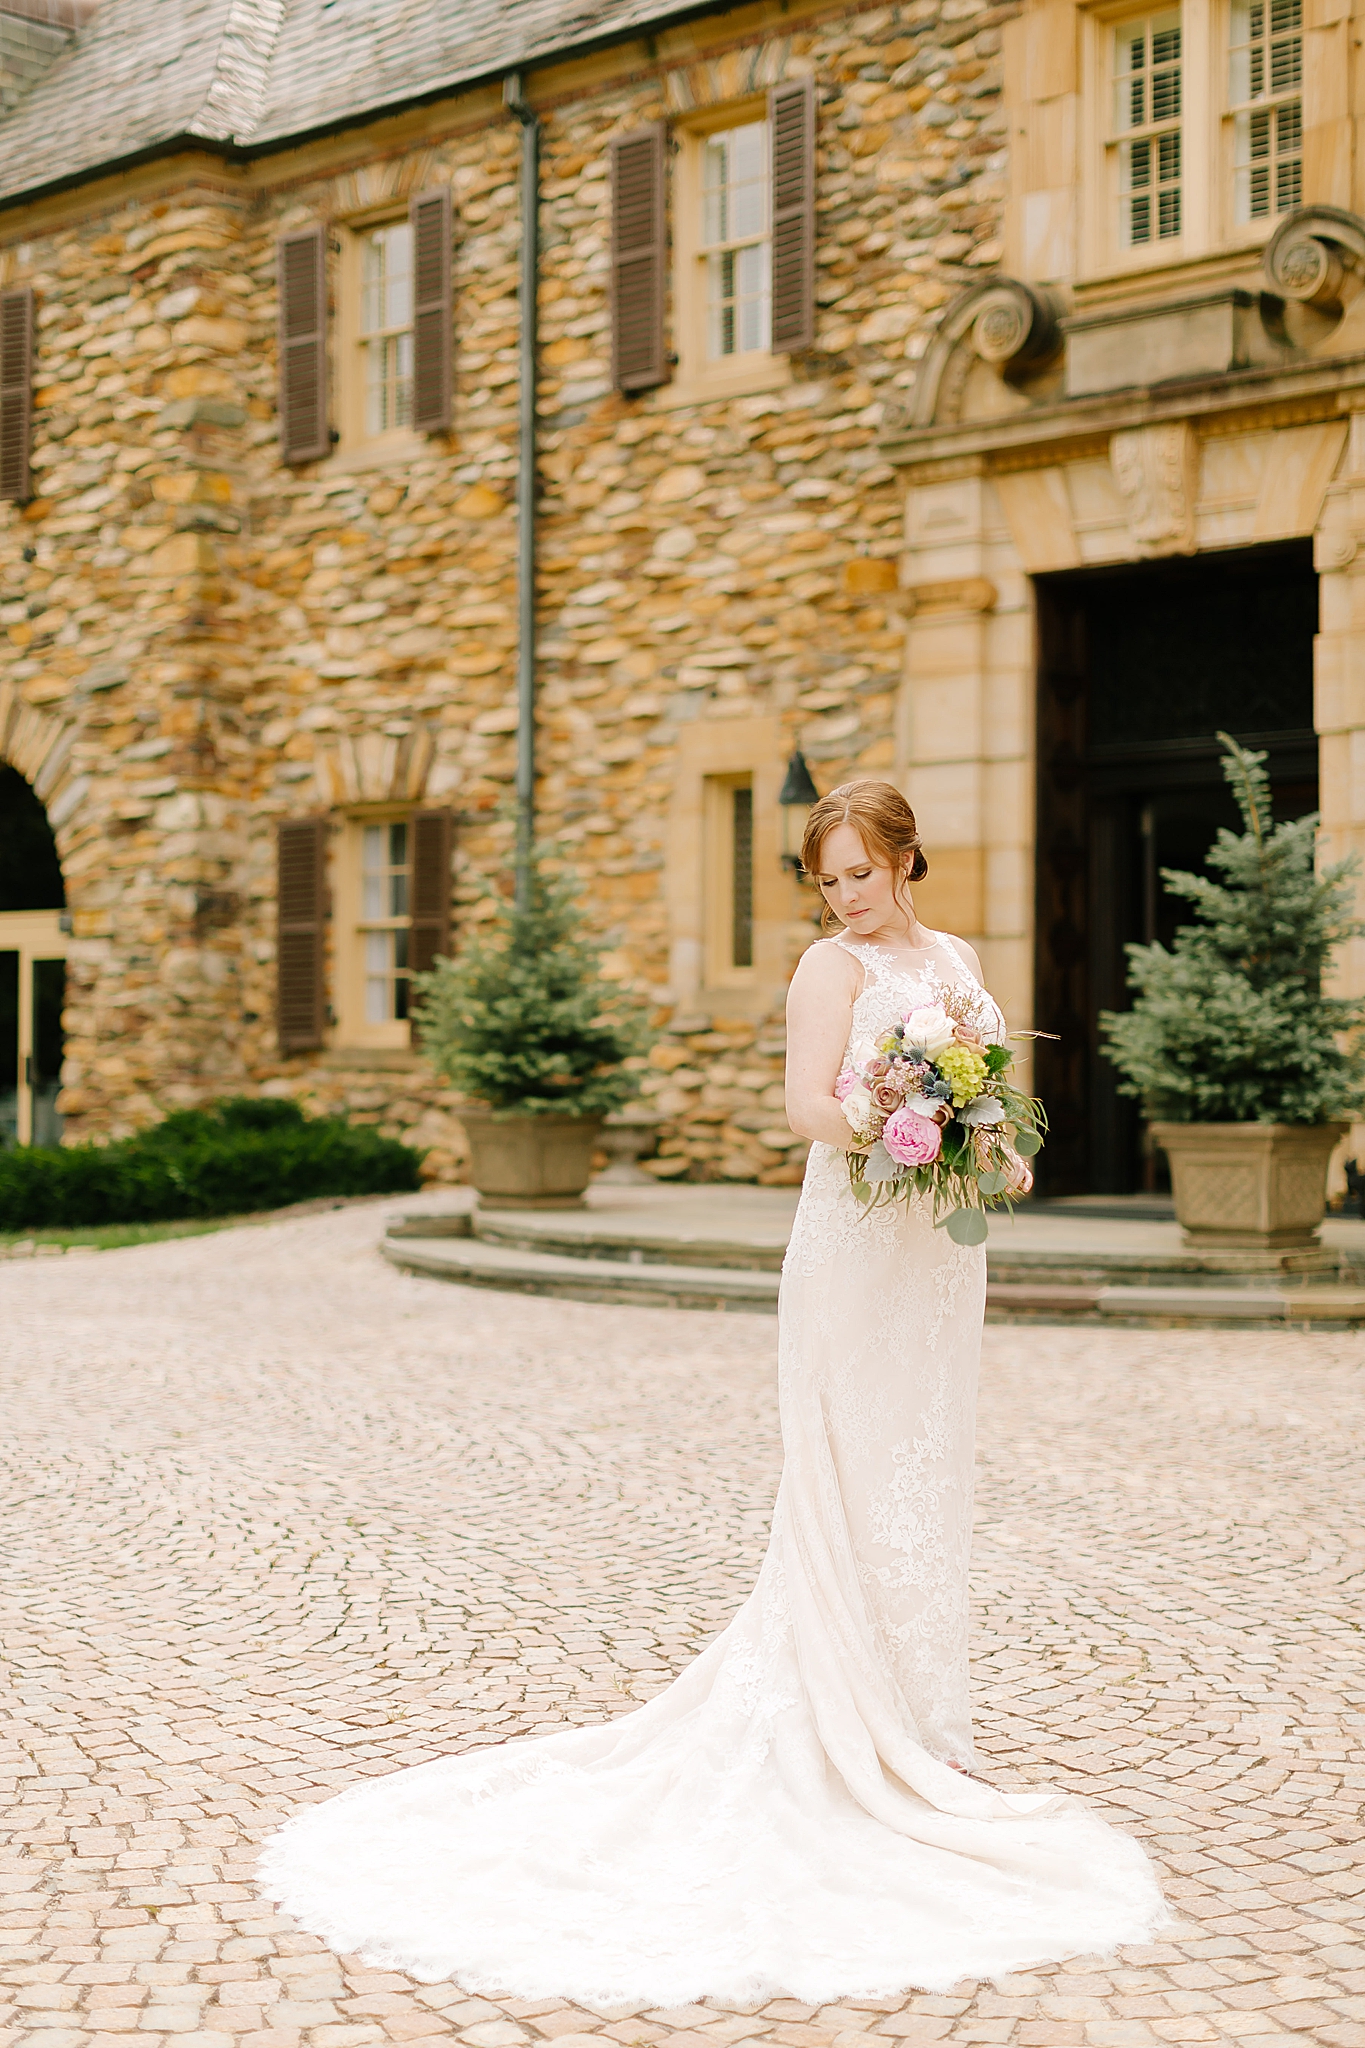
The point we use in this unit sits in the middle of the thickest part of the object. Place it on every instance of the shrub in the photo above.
(1231, 1024)
(525, 1021)
(240, 1155)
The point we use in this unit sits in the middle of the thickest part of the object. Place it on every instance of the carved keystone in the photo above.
(1155, 469)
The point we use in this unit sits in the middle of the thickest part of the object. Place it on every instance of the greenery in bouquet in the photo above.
(525, 1022)
(934, 1113)
(1231, 1024)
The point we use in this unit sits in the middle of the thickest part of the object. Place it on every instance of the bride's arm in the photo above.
(819, 1012)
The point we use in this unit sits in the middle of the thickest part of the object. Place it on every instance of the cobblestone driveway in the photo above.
(275, 1517)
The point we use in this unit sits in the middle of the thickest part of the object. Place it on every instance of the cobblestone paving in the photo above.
(275, 1517)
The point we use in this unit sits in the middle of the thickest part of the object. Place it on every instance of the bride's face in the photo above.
(858, 889)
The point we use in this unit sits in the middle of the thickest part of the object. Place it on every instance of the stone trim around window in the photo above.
(1260, 130)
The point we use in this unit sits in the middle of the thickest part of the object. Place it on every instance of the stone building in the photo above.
(956, 392)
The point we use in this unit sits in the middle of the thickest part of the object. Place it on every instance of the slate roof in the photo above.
(254, 74)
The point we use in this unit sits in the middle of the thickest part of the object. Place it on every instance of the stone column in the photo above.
(965, 727)
(1339, 692)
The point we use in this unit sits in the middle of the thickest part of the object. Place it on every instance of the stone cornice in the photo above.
(1228, 403)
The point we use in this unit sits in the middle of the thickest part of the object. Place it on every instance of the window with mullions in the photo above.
(1147, 111)
(736, 240)
(386, 326)
(1265, 88)
(385, 918)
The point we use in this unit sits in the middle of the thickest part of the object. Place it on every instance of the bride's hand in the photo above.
(1019, 1172)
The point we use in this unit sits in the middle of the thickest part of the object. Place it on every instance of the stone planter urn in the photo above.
(627, 1135)
(1253, 1187)
(529, 1162)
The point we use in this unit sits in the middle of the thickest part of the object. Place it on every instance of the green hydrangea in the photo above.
(964, 1071)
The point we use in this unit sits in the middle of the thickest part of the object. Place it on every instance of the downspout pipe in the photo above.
(526, 487)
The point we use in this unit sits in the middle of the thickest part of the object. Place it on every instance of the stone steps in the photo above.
(473, 1262)
(651, 1270)
(1019, 1301)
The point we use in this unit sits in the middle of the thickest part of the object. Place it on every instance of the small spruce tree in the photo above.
(525, 1021)
(1231, 1025)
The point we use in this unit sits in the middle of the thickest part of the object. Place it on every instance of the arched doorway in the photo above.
(33, 943)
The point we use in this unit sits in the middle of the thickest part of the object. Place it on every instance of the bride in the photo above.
(798, 1812)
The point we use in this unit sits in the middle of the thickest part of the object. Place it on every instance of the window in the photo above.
(385, 915)
(1265, 86)
(385, 331)
(743, 243)
(1147, 101)
(742, 876)
(736, 246)
(390, 874)
(730, 878)
(1189, 137)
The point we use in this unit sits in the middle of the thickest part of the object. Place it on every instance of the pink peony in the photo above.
(911, 1140)
(845, 1081)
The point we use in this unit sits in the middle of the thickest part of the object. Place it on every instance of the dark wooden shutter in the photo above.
(432, 339)
(433, 839)
(791, 116)
(16, 392)
(303, 345)
(639, 256)
(302, 901)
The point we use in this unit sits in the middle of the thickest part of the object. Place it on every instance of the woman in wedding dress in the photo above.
(798, 1812)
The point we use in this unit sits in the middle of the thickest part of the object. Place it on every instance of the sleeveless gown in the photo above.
(784, 1818)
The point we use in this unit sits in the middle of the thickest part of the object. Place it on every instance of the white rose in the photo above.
(857, 1108)
(929, 1030)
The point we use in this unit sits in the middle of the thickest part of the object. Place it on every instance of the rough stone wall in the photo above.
(223, 641)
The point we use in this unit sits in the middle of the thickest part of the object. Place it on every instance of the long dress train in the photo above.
(784, 1818)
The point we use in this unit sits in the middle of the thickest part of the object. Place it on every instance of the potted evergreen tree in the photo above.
(1241, 1062)
(536, 1039)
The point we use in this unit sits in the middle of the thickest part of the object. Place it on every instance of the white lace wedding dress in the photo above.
(783, 1819)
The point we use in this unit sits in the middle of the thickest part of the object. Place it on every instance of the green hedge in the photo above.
(242, 1154)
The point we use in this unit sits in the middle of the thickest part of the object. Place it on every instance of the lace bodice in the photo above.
(891, 986)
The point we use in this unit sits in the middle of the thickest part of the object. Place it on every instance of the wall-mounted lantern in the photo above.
(797, 795)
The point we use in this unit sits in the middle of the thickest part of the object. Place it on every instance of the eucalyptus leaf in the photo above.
(1027, 1143)
(992, 1183)
(967, 1226)
(862, 1190)
(880, 1165)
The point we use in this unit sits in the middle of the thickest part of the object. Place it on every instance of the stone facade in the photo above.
(201, 642)
(847, 549)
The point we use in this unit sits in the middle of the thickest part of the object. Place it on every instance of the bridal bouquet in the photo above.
(933, 1112)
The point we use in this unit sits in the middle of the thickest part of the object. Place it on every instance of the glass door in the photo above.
(32, 993)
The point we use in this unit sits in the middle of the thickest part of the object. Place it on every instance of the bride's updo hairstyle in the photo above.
(883, 821)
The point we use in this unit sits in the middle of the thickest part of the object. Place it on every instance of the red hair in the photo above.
(883, 821)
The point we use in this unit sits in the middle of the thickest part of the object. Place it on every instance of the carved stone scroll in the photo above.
(1005, 323)
(1310, 252)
